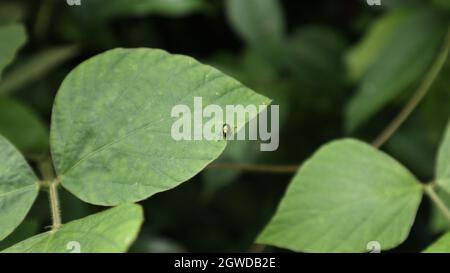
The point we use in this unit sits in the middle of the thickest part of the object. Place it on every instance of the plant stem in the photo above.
(255, 168)
(429, 190)
(423, 89)
(46, 170)
(54, 204)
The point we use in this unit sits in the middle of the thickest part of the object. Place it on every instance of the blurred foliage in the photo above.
(334, 67)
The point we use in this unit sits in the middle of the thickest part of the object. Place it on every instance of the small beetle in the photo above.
(226, 131)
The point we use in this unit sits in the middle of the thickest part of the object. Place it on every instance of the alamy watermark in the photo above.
(373, 2)
(227, 123)
(373, 247)
(73, 247)
(73, 2)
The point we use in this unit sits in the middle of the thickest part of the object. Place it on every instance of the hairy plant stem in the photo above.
(429, 190)
(52, 183)
(54, 204)
(423, 89)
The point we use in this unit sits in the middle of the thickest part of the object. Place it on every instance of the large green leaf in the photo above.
(112, 230)
(111, 125)
(22, 126)
(442, 245)
(259, 22)
(347, 195)
(12, 37)
(18, 188)
(400, 64)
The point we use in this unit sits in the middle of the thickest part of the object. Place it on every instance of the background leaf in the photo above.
(35, 67)
(443, 161)
(22, 126)
(112, 114)
(112, 230)
(345, 196)
(259, 22)
(102, 10)
(13, 37)
(402, 61)
(442, 3)
(314, 54)
(18, 188)
(10, 12)
(364, 53)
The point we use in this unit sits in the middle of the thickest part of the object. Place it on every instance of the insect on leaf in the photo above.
(111, 126)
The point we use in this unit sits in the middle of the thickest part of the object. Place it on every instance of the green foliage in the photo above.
(259, 22)
(112, 231)
(434, 108)
(440, 246)
(442, 3)
(130, 128)
(102, 10)
(314, 54)
(28, 228)
(122, 116)
(443, 162)
(438, 222)
(10, 12)
(401, 60)
(347, 195)
(13, 37)
(18, 188)
(35, 67)
(21, 125)
(365, 53)
(110, 125)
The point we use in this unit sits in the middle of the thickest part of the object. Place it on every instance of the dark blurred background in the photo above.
(336, 68)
